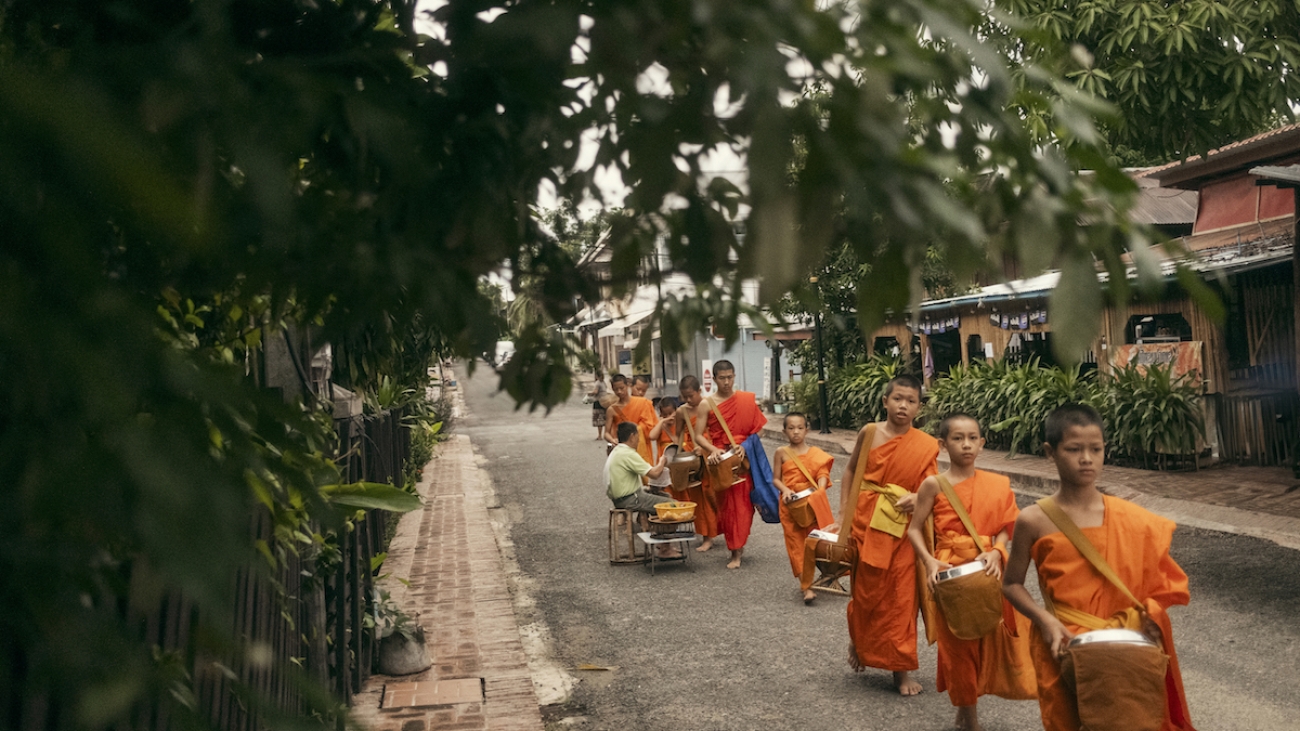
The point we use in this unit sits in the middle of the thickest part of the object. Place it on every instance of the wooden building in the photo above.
(1242, 232)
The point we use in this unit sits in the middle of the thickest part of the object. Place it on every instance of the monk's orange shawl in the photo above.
(904, 461)
(639, 411)
(1135, 543)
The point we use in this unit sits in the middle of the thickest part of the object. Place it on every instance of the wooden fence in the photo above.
(300, 640)
(1259, 429)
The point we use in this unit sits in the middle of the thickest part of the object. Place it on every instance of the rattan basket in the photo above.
(676, 511)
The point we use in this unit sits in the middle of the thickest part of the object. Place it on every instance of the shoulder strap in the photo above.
(1081, 542)
(713, 404)
(846, 521)
(799, 463)
(960, 509)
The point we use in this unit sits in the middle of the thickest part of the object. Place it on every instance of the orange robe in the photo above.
(992, 508)
(818, 464)
(1135, 543)
(882, 610)
(735, 510)
(706, 509)
(639, 411)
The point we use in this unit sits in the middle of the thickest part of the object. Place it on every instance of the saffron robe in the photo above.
(818, 464)
(992, 508)
(735, 510)
(884, 603)
(1135, 543)
(639, 411)
(706, 508)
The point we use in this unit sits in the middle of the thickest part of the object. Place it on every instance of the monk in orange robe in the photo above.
(633, 409)
(884, 603)
(1133, 541)
(743, 417)
(800, 466)
(991, 507)
(683, 423)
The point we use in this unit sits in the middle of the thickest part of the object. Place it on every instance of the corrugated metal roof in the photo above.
(1232, 259)
(1163, 206)
(1284, 176)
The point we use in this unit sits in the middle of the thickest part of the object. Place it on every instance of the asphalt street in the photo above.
(700, 647)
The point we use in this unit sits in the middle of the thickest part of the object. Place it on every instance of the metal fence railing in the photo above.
(298, 627)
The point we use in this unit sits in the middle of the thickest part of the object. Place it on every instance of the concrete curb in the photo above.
(1280, 529)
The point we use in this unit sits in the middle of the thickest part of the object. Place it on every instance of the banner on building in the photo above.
(1185, 357)
(706, 377)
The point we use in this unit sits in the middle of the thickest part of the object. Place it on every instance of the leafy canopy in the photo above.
(183, 180)
(1186, 76)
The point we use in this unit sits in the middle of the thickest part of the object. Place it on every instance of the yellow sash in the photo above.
(1130, 618)
(886, 518)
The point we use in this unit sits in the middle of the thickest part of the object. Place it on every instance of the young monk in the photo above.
(744, 419)
(1133, 541)
(631, 409)
(882, 609)
(684, 423)
(663, 436)
(798, 467)
(991, 506)
(640, 385)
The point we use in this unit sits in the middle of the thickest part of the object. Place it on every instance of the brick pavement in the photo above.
(1256, 501)
(448, 552)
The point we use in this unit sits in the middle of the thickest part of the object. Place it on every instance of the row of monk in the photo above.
(1103, 564)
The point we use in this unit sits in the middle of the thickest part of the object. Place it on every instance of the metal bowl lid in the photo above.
(1120, 636)
(734, 451)
(804, 493)
(686, 457)
(974, 567)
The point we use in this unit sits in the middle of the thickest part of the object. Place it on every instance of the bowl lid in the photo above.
(1121, 636)
(966, 569)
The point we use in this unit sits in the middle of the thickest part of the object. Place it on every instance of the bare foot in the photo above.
(670, 553)
(809, 596)
(854, 662)
(905, 684)
(968, 719)
(734, 563)
(705, 544)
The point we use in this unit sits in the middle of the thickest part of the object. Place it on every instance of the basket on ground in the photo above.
(676, 511)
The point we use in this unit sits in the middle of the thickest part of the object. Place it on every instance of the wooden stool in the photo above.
(623, 544)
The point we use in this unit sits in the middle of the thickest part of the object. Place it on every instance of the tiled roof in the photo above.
(1259, 139)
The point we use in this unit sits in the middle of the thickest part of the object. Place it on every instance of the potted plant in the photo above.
(402, 649)
(784, 395)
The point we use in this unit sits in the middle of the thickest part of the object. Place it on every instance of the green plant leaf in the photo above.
(372, 496)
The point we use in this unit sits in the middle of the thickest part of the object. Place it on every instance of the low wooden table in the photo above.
(654, 540)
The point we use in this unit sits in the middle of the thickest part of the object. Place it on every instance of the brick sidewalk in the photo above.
(1257, 501)
(448, 552)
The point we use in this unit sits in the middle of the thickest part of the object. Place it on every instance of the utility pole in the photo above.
(821, 365)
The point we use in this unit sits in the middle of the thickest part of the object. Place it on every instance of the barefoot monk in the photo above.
(884, 604)
(740, 418)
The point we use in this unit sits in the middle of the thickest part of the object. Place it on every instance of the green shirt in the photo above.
(623, 470)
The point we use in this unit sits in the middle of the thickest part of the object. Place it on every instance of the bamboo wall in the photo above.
(1214, 356)
(1267, 299)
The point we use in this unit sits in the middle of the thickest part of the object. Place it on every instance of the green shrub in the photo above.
(1154, 413)
(1010, 400)
(853, 393)
(1144, 413)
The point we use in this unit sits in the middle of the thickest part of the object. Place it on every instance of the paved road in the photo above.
(717, 649)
